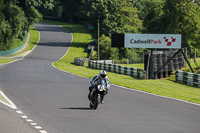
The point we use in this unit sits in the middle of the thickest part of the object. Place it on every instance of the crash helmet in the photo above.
(102, 73)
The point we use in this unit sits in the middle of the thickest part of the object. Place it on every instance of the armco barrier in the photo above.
(135, 72)
(13, 51)
(78, 61)
(188, 78)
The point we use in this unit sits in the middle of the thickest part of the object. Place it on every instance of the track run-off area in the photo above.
(58, 101)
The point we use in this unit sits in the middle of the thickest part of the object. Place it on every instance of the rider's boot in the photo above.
(102, 97)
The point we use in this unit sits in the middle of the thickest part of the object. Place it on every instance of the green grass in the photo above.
(34, 37)
(161, 87)
(16, 43)
(5, 60)
(192, 62)
(185, 69)
(141, 66)
(196, 70)
(2, 98)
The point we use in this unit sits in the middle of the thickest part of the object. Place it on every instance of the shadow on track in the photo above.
(77, 108)
(55, 44)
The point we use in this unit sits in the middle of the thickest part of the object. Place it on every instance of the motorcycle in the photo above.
(97, 94)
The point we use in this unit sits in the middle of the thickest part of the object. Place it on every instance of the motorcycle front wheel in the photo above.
(96, 101)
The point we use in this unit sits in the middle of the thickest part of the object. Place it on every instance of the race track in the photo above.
(58, 100)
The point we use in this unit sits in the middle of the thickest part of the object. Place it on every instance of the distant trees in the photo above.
(15, 18)
(115, 16)
(106, 51)
(138, 16)
(182, 17)
(173, 17)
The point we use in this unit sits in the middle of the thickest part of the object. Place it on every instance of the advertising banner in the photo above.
(151, 41)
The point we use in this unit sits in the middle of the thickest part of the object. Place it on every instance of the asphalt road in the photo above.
(11, 122)
(58, 100)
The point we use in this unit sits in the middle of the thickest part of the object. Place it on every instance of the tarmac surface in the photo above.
(11, 122)
(58, 101)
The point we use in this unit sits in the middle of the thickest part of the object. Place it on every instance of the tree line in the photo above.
(135, 16)
(115, 16)
(15, 18)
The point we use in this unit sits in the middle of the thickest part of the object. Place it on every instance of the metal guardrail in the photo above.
(188, 78)
(78, 61)
(13, 51)
(135, 72)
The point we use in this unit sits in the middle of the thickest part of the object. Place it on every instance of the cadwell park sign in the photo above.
(158, 41)
(149, 41)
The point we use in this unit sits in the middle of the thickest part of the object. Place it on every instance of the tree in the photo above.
(151, 12)
(30, 11)
(115, 16)
(56, 11)
(5, 29)
(16, 17)
(70, 8)
(182, 17)
(106, 52)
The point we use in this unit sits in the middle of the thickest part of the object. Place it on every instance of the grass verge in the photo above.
(141, 66)
(5, 60)
(3, 99)
(161, 87)
(34, 37)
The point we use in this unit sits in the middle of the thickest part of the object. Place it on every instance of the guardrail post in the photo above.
(195, 80)
(185, 78)
(190, 79)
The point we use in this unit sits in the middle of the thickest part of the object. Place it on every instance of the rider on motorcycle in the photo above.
(103, 76)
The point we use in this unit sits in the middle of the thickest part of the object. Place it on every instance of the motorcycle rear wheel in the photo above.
(91, 106)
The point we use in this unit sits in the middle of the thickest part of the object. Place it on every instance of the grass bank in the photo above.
(34, 37)
(161, 87)
(3, 99)
(141, 66)
(5, 60)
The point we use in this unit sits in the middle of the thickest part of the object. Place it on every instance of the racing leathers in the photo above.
(93, 83)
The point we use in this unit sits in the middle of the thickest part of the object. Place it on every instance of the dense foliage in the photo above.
(138, 16)
(15, 18)
(115, 16)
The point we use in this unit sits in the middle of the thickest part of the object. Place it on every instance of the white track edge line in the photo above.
(12, 105)
(166, 97)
